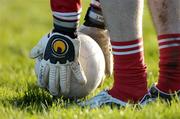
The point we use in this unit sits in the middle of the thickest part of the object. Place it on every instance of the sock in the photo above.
(66, 15)
(169, 73)
(94, 17)
(129, 71)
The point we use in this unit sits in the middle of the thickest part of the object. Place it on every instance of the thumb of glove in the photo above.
(39, 48)
(36, 52)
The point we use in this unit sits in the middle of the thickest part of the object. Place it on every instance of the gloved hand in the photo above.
(102, 38)
(58, 56)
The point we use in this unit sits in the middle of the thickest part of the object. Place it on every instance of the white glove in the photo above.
(58, 56)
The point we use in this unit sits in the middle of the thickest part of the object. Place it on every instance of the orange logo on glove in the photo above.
(59, 47)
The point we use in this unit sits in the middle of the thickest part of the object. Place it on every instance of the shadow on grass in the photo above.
(35, 99)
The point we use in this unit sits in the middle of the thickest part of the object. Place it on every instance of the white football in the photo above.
(93, 64)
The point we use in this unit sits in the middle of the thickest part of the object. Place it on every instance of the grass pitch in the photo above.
(22, 23)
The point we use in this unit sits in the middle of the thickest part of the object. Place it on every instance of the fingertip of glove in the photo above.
(83, 82)
(31, 55)
(65, 93)
(35, 52)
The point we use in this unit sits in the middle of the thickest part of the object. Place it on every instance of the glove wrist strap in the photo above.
(71, 32)
(94, 18)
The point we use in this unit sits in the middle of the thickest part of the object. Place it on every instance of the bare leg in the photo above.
(124, 19)
(166, 16)
(124, 22)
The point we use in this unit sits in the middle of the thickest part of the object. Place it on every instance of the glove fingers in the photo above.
(43, 74)
(78, 73)
(46, 75)
(57, 81)
(36, 51)
(53, 77)
(65, 75)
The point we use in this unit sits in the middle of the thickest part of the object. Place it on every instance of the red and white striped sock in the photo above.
(129, 71)
(169, 73)
(66, 14)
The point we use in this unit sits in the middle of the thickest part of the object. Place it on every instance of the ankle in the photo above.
(129, 71)
(169, 78)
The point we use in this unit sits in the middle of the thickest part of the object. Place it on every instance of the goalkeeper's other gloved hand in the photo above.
(58, 56)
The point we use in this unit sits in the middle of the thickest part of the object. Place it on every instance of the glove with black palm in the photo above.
(58, 56)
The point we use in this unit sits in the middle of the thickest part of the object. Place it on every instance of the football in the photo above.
(93, 63)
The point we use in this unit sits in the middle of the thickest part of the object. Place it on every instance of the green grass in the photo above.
(22, 23)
